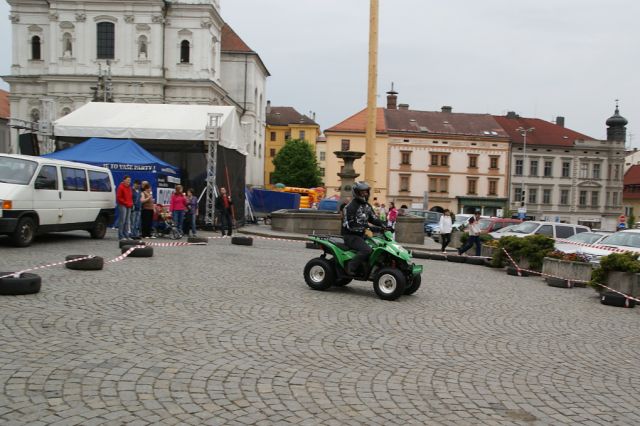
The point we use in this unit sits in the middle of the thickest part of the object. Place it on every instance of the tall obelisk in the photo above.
(370, 146)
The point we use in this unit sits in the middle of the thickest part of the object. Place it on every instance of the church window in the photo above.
(67, 45)
(142, 47)
(35, 115)
(35, 48)
(106, 40)
(184, 52)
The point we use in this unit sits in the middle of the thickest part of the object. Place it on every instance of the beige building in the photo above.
(430, 159)
(283, 124)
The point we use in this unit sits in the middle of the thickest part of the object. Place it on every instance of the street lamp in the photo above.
(523, 132)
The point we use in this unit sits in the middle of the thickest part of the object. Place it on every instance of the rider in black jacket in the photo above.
(356, 218)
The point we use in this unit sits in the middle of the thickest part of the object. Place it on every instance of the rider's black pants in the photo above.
(357, 243)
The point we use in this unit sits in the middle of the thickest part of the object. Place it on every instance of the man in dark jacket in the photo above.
(223, 205)
(356, 218)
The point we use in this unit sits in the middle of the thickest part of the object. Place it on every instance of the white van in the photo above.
(39, 195)
(549, 229)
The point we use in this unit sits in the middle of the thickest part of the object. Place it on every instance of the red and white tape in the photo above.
(519, 271)
(174, 244)
(123, 255)
(596, 246)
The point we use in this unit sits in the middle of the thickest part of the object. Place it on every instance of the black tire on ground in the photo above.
(92, 264)
(25, 232)
(312, 245)
(99, 229)
(319, 274)
(413, 285)
(197, 240)
(389, 283)
(456, 258)
(139, 251)
(511, 270)
(26, 284)
(242, 241)
(421, 255)
(437, 256)
(123, 243)
(557, 282)
(473, 260)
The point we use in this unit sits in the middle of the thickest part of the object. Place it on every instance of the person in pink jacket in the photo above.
(177, 207)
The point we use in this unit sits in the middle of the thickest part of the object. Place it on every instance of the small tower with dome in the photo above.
(617, 126)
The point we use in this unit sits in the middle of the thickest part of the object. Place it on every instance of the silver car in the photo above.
(627, 240)
(573, 243)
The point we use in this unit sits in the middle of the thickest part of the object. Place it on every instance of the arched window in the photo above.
(67, 45)
(142, 47)
(35, 48)
(65, 111)
(35, 115)
(184, 52)
(255, 100)
(106, 40)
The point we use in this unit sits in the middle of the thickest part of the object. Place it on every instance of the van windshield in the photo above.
(525, 228)
(16, 170)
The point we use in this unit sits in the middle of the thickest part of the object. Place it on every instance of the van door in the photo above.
(47, 196)
(75, 208)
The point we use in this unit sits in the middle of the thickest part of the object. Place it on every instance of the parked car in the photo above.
(550, 229)
(572, 243)
(493, 224)
(431, 219)
(39, 195)
(627, 240)
(460, 222)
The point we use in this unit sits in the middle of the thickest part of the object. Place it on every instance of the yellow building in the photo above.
(283, 124)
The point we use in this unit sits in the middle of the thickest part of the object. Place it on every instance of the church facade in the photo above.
(68, 53)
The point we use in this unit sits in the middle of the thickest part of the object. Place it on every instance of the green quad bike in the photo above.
(389, 265)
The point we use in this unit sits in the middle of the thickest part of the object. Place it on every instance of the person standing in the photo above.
(446, 226)
(136, 210)
(146, 212)
(192, 213)
(223, 205)
(177, 207)
(474, 235)
(393, 215)
(124, 199)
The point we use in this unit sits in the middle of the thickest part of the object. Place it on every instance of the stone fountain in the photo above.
(348, 174)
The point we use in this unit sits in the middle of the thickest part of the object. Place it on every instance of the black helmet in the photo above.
(360, 191)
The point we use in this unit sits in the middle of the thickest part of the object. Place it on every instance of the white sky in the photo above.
(540, 58)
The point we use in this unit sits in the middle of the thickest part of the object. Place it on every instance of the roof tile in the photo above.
(284, 116)
(358, 123)
(545, 133)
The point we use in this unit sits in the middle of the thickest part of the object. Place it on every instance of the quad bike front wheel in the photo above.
(319, 274)
(413, 285)
(389, 283)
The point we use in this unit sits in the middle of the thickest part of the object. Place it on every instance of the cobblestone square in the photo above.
(228, 334)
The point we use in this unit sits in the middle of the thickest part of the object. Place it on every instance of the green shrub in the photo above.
(533, 249)
(622, 262)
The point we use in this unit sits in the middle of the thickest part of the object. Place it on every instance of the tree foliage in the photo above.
(296, 165)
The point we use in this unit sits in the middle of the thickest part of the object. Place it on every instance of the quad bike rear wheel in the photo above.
(389, 283)
(319, 274)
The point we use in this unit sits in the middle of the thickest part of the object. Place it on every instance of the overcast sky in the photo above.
(540, 58)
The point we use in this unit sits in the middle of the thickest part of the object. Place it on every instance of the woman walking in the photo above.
(446, 226)
(177, 207)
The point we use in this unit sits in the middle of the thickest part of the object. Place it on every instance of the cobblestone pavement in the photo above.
(227, 334)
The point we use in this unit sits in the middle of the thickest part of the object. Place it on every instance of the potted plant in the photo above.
(619, 271)
(528, 253)
(489, 246)
(566, 270)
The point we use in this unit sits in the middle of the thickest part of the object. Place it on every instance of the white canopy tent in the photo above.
(150, 121)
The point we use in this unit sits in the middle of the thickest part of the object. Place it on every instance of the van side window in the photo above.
(47, 178)
(99, 181)
(581, 230)
(564, 231)
(545, 230)
(74, 179)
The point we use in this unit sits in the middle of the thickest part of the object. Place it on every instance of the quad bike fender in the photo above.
(341, 256)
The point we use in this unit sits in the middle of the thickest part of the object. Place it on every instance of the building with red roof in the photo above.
(631, 194)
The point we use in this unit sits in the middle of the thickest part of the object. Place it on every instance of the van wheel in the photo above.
(25, 232)
(99, 228)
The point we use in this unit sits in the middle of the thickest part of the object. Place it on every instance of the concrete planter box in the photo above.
(624, 282)
(455, 239)
(410, 230)
(564, 269)
(306, 222)
(487, 251)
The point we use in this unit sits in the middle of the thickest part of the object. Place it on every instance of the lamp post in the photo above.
(523, 211)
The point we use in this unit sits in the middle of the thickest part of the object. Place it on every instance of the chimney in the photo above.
(392, 98)
(512, 114)
(403, 107)
(268, 107)
(446, 108)
(560, 121)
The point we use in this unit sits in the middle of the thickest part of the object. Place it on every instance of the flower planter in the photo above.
(564, 272)
(624, 282)
(512, 270)
(487, 251)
